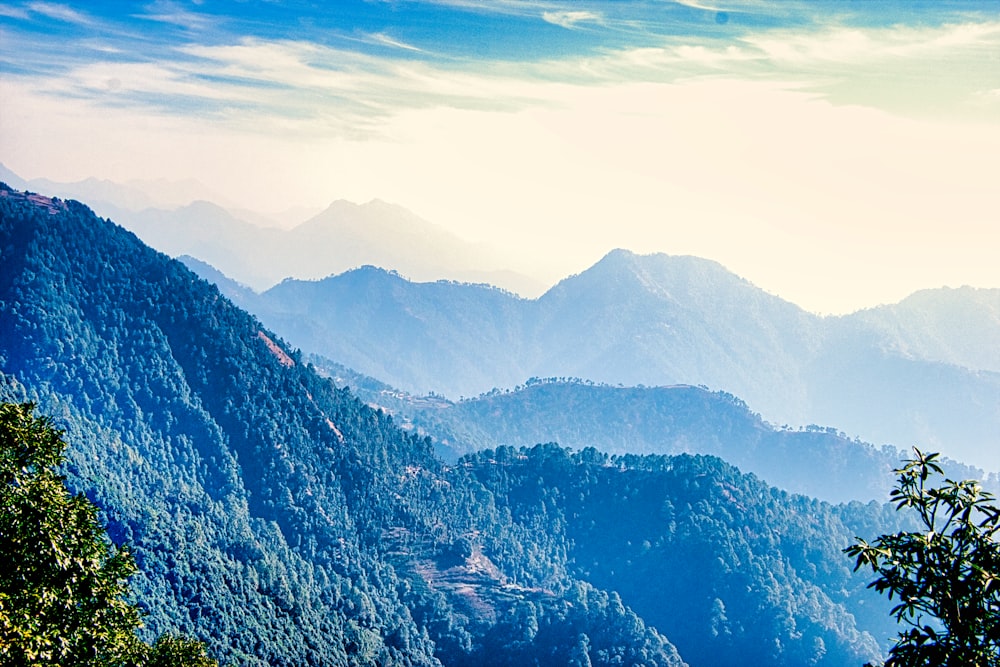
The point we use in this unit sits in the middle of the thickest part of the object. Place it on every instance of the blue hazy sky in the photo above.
(839, 154)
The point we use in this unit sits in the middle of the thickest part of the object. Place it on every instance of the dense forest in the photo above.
(817, 461)
(283, 521)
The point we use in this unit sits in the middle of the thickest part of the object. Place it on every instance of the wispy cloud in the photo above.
(521, 7)
(59, 12)
(13, 12)
(570, 19)
(849, 45)
(694, 4)
(383, 39)
(165, 11)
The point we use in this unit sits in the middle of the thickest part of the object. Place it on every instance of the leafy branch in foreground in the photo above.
(63, 590)
(944, 576)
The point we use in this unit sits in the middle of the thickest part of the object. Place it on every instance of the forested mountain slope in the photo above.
(666, 420)
(679, 538)
(816, 461)
(273, 516)
(660, 320)
(284, 522)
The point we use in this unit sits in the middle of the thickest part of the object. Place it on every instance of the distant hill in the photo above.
(615, 323)
(959, 326)
(342, 237)
(441, 336)
(911, 374)
(816, 461)
(659, 320)
(111, 198)
(284, 522)
(187, 219)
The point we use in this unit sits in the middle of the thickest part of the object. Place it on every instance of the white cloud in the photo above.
(386, 40)
(59, 12)
(570, 19)
(856, 45)
(166, 11)
(526, 8)
(698, 5)
(13, 12)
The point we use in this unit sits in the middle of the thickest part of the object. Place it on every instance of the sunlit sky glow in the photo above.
(838, 154)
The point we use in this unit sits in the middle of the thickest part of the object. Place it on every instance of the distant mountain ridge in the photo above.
(880, 374)
(925, 371)
(182, 219)
(107, 197)
(820, 462)
(958, 326)
(342, 237)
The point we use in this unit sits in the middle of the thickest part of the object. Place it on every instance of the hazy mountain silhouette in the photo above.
(660, 320)
(112, 199)
(342, 237)
(185, 218)
(959, 326)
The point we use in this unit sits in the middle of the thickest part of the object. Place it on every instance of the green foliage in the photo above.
(175, 651)
(63, 590)
(63, 586)
(945, 575)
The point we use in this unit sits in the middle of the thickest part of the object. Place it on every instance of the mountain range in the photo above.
(283, 521)
(923, 372)
(107, 197)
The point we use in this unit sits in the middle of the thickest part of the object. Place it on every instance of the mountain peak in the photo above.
(622, 258)
(203, 208)
(10, 178)
(670, 277)
(374, 222)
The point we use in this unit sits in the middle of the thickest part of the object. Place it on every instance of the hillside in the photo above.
(818, 462)
(952, 326)
(284, 522)
(659, 320)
